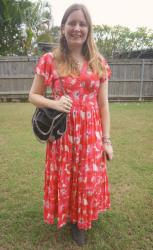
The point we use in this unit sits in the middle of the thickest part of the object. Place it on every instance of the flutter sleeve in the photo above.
(44, 68)
(106, 71)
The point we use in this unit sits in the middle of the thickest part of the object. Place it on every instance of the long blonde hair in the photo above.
(64, 63)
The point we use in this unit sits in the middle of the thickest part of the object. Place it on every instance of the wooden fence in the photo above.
(131, 79)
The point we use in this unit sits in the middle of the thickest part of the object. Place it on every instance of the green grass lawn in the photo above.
(128, 225)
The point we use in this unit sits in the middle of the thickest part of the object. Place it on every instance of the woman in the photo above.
(76, 183)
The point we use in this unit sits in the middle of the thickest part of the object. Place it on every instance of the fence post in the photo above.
(141, 79)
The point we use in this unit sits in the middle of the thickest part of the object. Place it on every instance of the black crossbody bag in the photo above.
(49, 124)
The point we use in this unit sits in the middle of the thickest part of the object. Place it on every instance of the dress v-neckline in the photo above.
(83, 67)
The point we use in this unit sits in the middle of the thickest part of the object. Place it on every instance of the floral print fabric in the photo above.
(76, 182)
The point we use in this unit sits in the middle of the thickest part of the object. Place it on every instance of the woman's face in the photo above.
(75, 29)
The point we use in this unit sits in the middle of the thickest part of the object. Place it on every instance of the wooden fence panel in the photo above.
(130, 80)
(147, 89)
(124, 89)
(16, 75)
(15, 85)
(125, 71)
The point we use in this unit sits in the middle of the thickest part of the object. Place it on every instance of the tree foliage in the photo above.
(10, 19)
(16, 15)
(120, 39)
(22, 24)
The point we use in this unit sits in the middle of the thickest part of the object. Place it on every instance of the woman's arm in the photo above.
(105, 118)
(36, 97)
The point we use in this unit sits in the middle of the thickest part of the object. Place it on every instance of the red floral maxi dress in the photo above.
(76, 182)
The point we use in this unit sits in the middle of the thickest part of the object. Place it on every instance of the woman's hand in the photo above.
(108, 150)
(64, 104)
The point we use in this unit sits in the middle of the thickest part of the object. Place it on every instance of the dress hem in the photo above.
(69, 220)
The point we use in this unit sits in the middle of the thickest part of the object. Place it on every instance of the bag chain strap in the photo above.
(61, 87)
